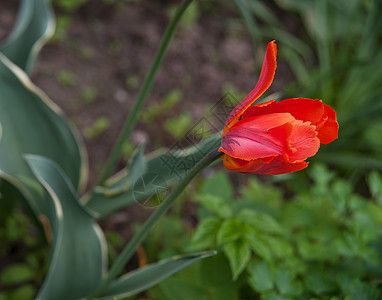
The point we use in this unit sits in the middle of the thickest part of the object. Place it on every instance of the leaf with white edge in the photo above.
(78, 260)
(34, 26)
(136, 168)
(32, 123)
(163, 171)
(144, 278)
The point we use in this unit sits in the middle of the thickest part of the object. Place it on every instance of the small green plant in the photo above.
(161, 109)
(98, 127)
(324, 242)
(89, 94)
(178, 126)
(21, 255)
(66, 78)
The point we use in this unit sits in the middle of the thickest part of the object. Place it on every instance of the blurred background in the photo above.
(331, 213)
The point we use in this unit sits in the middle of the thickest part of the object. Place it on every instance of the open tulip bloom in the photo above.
(275, 137)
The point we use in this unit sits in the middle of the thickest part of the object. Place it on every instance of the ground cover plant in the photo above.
(266, 244)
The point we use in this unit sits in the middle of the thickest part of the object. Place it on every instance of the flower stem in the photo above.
(143, 93)
(138, 238)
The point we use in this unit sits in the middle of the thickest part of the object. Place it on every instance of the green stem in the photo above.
(138, 238)
(143, 93)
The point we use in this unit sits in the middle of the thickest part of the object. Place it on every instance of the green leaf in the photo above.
(136, 168)
(261, 277)
(16, 273)
(258, 244)
(32, 124)
(229, 231)
(260, 221)
(78, 258)
(375, 186)
(286, 283)
(215, 205)
(205, 235)
(218, 185)
(34, 26)
(163, 171)
(238, 254)
(144, 278)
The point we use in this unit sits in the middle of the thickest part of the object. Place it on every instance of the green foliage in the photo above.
(21, 255)
(160, 110)
(89, 94)
(178, 126)
(99, 126)
(69, 5)
(322, 243)
(66, 78)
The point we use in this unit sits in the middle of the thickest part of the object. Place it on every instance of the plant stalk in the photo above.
(142, 95)
(138, 238)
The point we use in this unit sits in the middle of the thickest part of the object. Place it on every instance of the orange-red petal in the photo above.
(266, 77)
(257, 137)
(304, 109)
(328, 128)
(274, 167)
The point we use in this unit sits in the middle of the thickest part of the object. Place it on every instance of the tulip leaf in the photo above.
(162, 171)
(144, 278)
(34, 26)
(78, 258)
(137, 167)
(31, 123)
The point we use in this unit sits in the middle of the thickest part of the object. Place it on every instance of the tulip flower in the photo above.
(275, 137)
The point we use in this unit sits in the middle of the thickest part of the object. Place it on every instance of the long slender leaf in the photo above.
(78, 259)
(162, 172)
(142, 279)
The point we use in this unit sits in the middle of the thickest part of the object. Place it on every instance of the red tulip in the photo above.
(275, 137)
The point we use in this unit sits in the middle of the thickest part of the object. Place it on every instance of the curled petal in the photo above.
(275, 166)
(303, 141)
(266, 77)
(328, 128)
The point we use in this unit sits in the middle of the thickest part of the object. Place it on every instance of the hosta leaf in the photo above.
(34, 26)
(144, 278)
(78, 258)
(162, 171)
(31, 123)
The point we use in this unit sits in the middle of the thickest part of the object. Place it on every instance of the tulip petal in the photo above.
(276, 166)
(303, 141)
(328, 129)
(304, 109)
(265, 80)
(258, 137)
